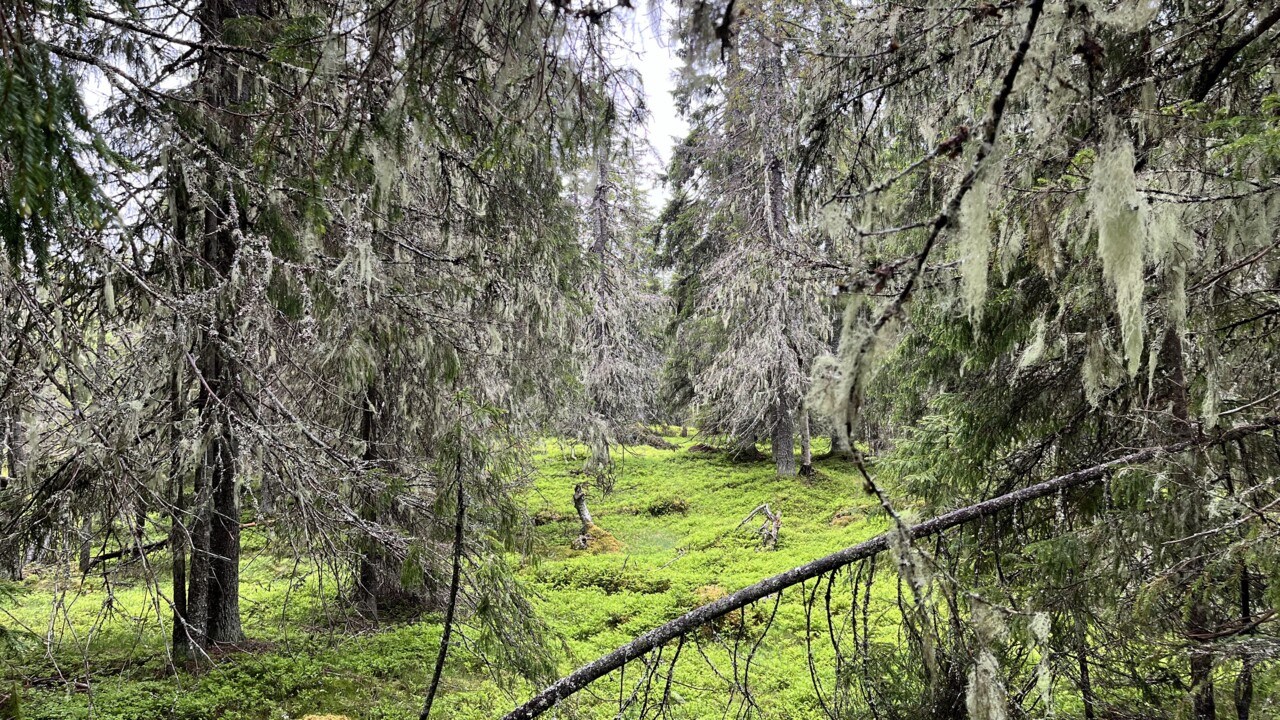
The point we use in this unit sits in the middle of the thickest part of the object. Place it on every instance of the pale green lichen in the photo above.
(1040, 627)
(1035, 349)
(975, 248)
(1117, 212)
(837, 381)
(985, 698)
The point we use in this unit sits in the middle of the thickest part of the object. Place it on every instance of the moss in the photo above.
(598, 540)
(668, 506)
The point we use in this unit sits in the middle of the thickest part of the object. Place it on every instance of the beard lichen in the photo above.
(1117, 213)
(975, 248)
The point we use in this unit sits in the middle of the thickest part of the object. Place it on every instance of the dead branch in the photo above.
(772, 526)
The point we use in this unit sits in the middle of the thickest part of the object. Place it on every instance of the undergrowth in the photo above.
(89, 647)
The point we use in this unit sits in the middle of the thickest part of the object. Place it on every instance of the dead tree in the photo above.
(580, 504)
(772, 526)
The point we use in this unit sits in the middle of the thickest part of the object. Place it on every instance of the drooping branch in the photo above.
(592, 671)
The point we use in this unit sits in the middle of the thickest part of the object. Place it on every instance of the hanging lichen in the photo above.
(1035, 350)
(985, 698)
(1170, 246)
(1100, 370)
(975, 248)
(1126, 15)
(1117, 212)
(1040, 626)
(1012, 237)
(837, 381)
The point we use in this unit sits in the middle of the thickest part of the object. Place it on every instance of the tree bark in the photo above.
(1173, 391)
(806, 443)
(784, 454)
(217, 361)
(197, 618)
(13, 470)
(1244, 681)
(85, 559)
(580, 504)
(1082, 661)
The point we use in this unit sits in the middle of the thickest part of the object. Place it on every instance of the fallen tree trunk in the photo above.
(598, 668)
(131, 551)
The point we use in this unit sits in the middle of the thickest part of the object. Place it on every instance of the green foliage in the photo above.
(46, 139)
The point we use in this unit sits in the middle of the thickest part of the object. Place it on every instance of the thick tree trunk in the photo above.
(224, 545)
(784, 454)
(197, 619)
(216, 593)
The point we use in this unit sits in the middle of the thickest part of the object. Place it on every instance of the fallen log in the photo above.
(131, 551)
(598, 668)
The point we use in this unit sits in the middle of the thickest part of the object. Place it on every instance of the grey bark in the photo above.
(580, 504)
(784, 453)
(806, 443)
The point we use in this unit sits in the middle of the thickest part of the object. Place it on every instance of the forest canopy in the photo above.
(350, 284)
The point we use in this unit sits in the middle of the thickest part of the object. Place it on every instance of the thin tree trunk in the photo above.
(1082, 661)
(806, 443)
(454, 582)
(1173, 390)
(12, 470)
(1244, 682)
(86, 544)
(367, 578)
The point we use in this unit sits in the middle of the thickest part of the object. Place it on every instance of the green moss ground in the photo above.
(675, 513)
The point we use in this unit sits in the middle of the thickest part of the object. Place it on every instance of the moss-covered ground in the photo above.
(92, 647)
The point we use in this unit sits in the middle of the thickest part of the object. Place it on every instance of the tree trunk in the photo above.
(1082, 661)
(806, 449)
(784, 455)
(580, 504)
(1244, 682)
(13, 470)
(86, 544)
(367, 585)
(224, 545)
(197, 619)
(218, 365)
(1173, 394)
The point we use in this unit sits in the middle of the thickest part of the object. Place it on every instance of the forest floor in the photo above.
(675, 513)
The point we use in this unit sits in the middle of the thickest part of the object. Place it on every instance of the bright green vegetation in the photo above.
(675, 512)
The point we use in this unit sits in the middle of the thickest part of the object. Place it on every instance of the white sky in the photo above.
(653, 55)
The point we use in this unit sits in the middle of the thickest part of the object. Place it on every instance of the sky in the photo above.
(652, 53)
